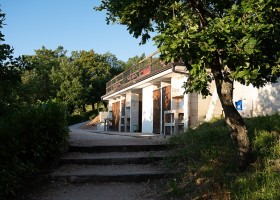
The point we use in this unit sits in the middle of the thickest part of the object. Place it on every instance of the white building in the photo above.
(149, 98)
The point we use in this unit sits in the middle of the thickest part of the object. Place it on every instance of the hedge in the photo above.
(29, 138)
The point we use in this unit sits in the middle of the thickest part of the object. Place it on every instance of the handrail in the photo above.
(144, 69)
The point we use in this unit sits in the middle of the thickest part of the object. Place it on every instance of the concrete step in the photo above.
(113, 158)
(117, 148)
(108, 173)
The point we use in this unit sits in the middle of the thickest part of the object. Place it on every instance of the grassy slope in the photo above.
(210, 168)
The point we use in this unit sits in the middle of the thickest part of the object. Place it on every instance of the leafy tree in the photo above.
(117, 66)
(134, 60)
(37, 76)
(81, 78)
(96, 71)
(235, 40)
(9, 75)
(67, 78)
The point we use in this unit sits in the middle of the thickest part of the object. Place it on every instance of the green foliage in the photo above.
(207, 157)
(36, 77)
(29, 138)
(134, 60)
(68, 79)
(81, 78)
(223, 41)
(81, 117)
(77, 80)
(240, 38)
(10, 72)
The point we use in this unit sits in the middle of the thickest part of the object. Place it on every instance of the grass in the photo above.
(78, 117)
(208, 159)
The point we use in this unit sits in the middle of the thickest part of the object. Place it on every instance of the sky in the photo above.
(73, 24)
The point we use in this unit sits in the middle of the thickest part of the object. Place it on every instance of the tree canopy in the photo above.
(78, 80)
(224, 41)
(10, 72)
(244, 34)
(37, 76)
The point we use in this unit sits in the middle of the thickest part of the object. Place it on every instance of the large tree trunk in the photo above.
(234, 120)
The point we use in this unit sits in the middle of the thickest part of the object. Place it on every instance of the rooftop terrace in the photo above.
(146, 68)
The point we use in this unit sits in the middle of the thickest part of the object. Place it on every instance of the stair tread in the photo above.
(114, 155)
(114, 170)
(117, 148)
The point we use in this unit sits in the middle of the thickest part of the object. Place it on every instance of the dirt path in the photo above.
(94, 191)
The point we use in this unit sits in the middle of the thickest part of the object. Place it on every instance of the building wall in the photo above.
(268, 99)
(134, 116)
(262, 101)
(147, 109)
(177, 91)
(193, 109)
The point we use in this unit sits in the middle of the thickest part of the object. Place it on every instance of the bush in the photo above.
(81, 117)
(29, 138)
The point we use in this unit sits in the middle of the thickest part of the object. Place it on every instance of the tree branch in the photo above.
(203, 13)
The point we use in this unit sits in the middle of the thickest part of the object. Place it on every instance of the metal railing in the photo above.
(146, 68)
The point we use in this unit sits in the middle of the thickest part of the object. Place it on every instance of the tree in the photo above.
(81, 78)
(96, 69)
(68, 79)
(134, 60)
(117, 66)
(9, 75)
(228, 41)
(37, 76)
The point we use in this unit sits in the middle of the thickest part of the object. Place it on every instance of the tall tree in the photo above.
(81, 78)
(117, 66)
(37, 77)
(96, 71)
(134, 60)
(235, 40)
(68, 80)
(9, 75)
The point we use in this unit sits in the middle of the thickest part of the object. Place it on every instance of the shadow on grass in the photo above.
(208, 159)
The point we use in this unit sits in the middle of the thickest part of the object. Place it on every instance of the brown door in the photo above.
(166, 103)
(156, 111)
(116, 116)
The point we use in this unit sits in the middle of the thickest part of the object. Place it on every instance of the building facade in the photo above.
(149, 98)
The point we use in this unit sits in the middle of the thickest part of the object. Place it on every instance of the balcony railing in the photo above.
(146, 68)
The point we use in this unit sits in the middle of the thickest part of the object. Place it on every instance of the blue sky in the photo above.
(73, 24)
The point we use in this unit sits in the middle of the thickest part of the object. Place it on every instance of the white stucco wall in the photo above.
(248, 95)
(268, 99)
(147, 109)
(262, 101)
(177, 90)
(134, 117)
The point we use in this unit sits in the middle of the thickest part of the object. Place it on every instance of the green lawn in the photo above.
(210, 171)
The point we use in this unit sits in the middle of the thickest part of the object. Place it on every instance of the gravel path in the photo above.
(85, 137)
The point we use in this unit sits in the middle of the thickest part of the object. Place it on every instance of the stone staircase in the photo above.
(114, 163)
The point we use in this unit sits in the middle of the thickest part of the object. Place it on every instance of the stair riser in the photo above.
(113, 161)
(107, 178)
(107, 149)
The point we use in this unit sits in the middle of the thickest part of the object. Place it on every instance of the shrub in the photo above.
(81, 117)
(29, 138)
